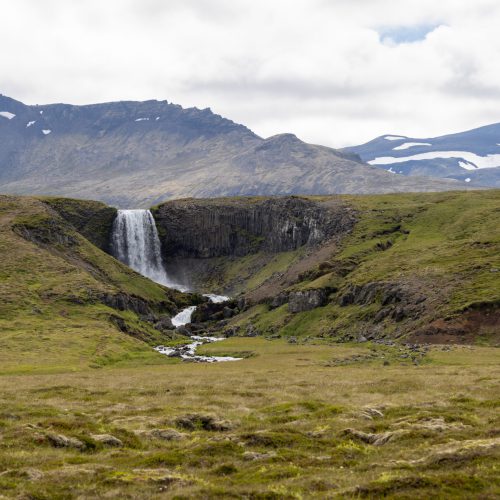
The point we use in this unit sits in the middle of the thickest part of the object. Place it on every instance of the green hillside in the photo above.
(89, 410)
(54, 287)
(418, 266)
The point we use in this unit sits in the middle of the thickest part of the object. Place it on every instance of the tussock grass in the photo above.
(288, 411)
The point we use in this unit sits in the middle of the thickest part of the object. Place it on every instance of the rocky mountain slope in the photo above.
(135, 154)
(471, 157)
(419, 266)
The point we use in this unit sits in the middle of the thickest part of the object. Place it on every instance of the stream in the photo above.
(188, 351)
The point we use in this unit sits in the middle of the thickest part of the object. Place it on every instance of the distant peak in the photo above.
(284, 138)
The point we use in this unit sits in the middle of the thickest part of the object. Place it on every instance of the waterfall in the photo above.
(135, 242)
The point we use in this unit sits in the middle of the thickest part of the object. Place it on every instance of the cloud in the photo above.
(335, 72)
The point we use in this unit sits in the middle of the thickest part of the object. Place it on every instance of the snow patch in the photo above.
(41, 112)
(471, 161)
(394, 137)
(468, 179)
(46, 131)
(157, 118)
(141, 119)
(29, 124)
(467, 165)
(408, 145)
(7, 114)
(391, 171)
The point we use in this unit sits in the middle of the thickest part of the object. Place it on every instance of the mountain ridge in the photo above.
(472, 156)
(131, 153)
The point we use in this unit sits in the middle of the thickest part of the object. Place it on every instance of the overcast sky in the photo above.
(334, 72)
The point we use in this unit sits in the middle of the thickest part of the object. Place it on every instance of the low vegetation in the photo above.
(306, 420)
(55, 289)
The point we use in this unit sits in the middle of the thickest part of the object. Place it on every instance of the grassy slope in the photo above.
(50, 316)
(443, 245)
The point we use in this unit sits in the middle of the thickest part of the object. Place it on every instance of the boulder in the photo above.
(305, 300)
(167, 434)
(107, 439)
(62, 441)
(196, 421)
(164, 323)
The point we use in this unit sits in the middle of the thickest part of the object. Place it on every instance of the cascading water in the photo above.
(135, 242)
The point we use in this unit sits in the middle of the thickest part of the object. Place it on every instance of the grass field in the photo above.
(293, 421)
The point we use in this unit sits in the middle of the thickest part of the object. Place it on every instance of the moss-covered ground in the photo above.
(292, 421)
(87, 411)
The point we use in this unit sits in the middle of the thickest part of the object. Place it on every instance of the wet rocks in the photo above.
(214, 311)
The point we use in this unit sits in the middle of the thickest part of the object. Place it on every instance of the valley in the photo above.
(364, 332)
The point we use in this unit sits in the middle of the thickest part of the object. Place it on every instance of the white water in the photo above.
(184, 317)
(189, 351)
(135, 242)
(216, 299)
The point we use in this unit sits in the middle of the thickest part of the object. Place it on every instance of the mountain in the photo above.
(142, 153)
(472, 157)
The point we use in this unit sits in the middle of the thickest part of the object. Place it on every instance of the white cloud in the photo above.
(322, 69)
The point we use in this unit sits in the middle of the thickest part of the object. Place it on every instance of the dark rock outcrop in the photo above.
(124, 302)
(398, 301)
(214, 228)
(305, 300)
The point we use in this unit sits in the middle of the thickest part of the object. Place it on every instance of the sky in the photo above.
(333, 72)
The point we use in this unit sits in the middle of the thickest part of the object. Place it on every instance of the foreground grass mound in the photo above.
(63, 301)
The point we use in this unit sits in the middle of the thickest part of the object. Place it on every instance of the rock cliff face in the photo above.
(225, 227)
